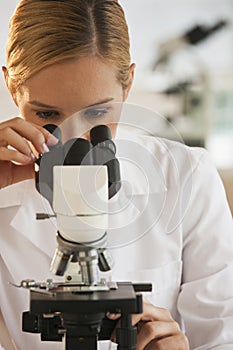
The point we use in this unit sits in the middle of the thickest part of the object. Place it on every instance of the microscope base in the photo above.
(81, 316)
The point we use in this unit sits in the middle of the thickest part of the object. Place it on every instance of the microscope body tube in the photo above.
(80, 201)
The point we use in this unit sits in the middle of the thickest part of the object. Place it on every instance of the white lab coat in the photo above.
(169, 224)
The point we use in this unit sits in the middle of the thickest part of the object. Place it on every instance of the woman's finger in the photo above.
(15, 156)
(113, 316)
(9, 137)
(155, 330)
(176, 342)
(38, 136)
(50, 139)
(152, 313)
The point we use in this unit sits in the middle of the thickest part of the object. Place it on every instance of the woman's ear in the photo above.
(5, 72)
(6, 77)
(131, 78)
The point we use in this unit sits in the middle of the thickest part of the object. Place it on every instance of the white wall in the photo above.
(7, 106)
(152, 21)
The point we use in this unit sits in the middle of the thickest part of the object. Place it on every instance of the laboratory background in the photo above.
(183, 51)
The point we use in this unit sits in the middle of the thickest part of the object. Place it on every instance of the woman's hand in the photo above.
(157, 330)
(17, 138)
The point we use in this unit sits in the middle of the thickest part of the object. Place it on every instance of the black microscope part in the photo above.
(77, 151)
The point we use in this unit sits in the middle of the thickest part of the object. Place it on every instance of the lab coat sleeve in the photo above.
(206, 298)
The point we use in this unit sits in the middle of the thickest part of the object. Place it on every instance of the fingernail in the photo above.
(32, 156)
(112, 316)
(45, 148)
(52, 140)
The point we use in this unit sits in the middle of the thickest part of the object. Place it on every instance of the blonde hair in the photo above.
(44, 32)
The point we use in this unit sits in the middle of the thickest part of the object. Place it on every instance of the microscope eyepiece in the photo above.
(77, 152)
(100, 133)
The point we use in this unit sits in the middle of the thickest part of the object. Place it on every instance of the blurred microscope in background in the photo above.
(181, 81)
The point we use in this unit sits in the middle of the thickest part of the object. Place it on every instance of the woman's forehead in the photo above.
(88, 79)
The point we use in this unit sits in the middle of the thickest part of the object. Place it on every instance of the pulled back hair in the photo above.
(45, 32)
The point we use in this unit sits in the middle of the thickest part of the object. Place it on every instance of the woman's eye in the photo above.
(47, 114)
(95, 113)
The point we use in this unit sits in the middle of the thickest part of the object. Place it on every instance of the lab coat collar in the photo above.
(12, 195)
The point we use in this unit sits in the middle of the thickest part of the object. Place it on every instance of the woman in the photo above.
(69, 56)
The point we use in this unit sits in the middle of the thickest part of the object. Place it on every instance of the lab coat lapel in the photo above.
(138, 204)
(141, 171)
(42, 234)
(11, 196)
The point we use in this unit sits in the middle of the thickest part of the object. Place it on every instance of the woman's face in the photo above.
(61, 90)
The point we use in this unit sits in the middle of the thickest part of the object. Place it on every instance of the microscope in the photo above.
(182, 81)
(78, 178)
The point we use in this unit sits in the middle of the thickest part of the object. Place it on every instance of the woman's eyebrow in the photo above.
(43, 105)
(100, 102)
